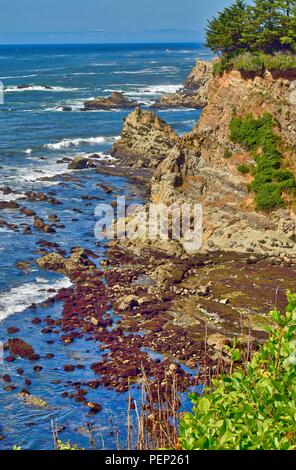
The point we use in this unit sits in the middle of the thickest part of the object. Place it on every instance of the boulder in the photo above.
(20, 348)
(117, 100)
(81, 163)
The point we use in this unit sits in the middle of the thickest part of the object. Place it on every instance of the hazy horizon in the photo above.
(105, 21)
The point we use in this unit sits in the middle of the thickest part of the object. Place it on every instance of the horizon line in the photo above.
(104, 43)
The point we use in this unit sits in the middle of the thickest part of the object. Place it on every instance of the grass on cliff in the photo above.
(271, 179)
(253, 407)
(256, 63)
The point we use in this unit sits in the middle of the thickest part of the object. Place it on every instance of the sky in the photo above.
(105, 21)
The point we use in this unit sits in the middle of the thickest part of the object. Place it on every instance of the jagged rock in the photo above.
(194, 94)
(117, 100)
(81, 163)
(145, 140)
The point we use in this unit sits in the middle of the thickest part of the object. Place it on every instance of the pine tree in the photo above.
(224, 33)
(287, 11)
(267, 26)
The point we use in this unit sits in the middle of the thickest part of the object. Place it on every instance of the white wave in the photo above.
(158, 89)
(75, 105)
(136, 72)
(14, 89)
(33, 174)
(65, 143)
(153, 90)
(19, 298)
(10, 197)
(83, 73)
(18, 76)
(176, 110)
(28, 151)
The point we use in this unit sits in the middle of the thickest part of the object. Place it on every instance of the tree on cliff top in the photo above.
(266, 26)
(224, 34)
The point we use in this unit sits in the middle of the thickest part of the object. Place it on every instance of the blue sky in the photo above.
(84, 21)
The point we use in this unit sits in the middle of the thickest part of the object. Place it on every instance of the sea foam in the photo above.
(18, 299)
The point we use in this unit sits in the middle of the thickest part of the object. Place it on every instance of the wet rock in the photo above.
(12, 329)
(8, 205)
(6, 190)
(69, 368)
(117, 100)
(94, 407)
(6, 378)
(28, 212)
(10, 388)
(20, 348)
(37, 368)
(81, 163)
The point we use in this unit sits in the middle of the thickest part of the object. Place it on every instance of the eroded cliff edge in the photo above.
(195, 168)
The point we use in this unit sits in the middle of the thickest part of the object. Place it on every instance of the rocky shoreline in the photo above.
(152, 296)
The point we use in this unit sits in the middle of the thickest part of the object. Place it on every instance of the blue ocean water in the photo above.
(34, 136)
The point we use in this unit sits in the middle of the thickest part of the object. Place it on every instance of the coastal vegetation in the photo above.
(271, 178)
(253, 406)
(254, 38)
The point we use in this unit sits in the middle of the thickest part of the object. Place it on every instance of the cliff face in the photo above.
(194, 94)
(145, 140)
(200, 172)
(196, 170)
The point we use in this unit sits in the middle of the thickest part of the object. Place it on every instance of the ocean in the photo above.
(35, 137)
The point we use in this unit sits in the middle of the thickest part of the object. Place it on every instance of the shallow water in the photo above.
(34, 135)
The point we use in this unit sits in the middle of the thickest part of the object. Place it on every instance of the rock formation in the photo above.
(145, 140)
(117, 100)
(196, 170)
(194, 94)
(81, 163)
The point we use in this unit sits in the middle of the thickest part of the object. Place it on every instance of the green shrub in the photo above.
(248, 63)
(255, 63)
(270, 179)
(244, 169)
(219, 67)
(280, 62)
(252, 408)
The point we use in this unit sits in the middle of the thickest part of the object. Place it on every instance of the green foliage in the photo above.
(244, 169)
(270, 179)
(224, 34)
(252, 408)
(267, 26)
(255, 63)
(67, 446)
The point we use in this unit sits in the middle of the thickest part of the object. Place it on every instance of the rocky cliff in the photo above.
(194, 94)
(145, 140)
(197, 171)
